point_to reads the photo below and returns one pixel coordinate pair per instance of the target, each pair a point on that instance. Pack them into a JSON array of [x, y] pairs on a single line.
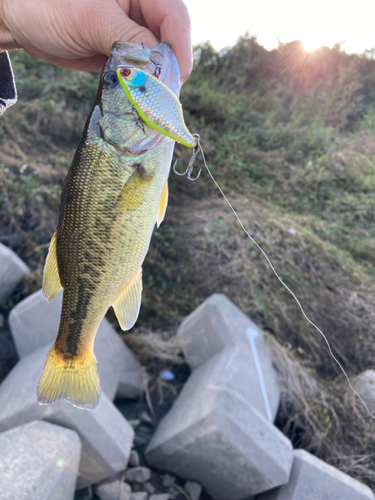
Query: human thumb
[[108, 23]]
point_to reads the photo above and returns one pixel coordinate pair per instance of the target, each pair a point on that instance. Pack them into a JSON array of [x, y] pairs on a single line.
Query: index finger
[[169, 20]]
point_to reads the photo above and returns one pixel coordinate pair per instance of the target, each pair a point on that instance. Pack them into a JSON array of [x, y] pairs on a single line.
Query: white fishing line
[[286, 286]]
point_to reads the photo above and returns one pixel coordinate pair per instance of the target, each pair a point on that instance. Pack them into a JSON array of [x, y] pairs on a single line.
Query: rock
[[193, 489], [106, 436], [140, 441], [141, 495], [216, 323], [8, 353], [146, 419], [134, 460], [39, 461], [134, 423], [138, 475], [161, 496], [213, 427], [12, 270], [114, 490], [149, 488], [364, 384], [313, 479], [169, 480], [34, 322]]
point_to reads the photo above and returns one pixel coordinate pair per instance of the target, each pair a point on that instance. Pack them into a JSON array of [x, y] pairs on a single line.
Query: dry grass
[[318, 410]]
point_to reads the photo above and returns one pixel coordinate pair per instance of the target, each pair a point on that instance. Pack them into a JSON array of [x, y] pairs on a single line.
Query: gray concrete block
[[216, 323], [234, 369], [214, 436], [313, 479], [34, 322], [39, 461], [364, 384], [106, 436], [12, 270]]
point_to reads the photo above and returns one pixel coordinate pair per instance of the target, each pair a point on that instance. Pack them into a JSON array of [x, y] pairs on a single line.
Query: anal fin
[[163, 205], [51, 279], [128, 304]]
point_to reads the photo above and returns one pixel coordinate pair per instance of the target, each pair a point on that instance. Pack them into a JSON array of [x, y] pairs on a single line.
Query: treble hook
[[189, 170]]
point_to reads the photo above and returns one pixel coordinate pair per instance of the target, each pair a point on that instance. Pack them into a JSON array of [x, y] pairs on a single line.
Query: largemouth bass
[[115, 192]]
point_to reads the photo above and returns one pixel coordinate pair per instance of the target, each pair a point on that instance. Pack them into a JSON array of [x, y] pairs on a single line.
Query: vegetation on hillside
[[290, 137]]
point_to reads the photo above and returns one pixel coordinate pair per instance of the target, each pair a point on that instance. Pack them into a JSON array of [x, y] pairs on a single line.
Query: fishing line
[[286, 286]]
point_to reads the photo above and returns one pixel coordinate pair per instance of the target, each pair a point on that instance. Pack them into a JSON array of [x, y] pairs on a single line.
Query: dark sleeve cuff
[[8, 92]]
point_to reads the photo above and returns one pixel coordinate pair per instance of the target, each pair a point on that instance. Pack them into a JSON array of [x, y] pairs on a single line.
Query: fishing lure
[[159, 107]]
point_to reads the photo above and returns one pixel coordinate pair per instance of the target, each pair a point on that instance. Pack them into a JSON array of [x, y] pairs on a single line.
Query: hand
[[78, 34]]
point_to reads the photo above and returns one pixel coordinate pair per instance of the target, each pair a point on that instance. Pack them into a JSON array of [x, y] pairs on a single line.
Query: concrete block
[[39, 461], [106, 436], [12, 270], [34, 322], [234, 369], [214, 436], [216, 323], [364, 384], [313, 479]]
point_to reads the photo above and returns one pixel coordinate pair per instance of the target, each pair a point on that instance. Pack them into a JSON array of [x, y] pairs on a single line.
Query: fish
[[115, 192]]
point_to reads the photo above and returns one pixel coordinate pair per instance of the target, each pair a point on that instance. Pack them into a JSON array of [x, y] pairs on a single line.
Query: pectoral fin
[[128, 304], [51, 278], [163, 205]]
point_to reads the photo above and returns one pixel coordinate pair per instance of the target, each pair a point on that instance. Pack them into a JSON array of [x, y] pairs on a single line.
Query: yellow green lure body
[[156, 104]]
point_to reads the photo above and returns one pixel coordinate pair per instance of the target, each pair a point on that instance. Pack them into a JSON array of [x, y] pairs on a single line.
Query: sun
[[310, 44]]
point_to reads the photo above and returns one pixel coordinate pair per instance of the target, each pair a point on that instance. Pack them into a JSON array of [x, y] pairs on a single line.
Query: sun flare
[[310, 45]]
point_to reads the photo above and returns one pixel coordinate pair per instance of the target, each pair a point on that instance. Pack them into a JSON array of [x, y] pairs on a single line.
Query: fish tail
[[76, 380]]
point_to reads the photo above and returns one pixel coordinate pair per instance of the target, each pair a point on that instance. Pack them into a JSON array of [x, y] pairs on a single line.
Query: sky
[[315, 23]]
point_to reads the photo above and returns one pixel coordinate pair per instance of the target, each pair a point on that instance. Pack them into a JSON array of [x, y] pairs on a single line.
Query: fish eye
[[111, 79], [125, 72]]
